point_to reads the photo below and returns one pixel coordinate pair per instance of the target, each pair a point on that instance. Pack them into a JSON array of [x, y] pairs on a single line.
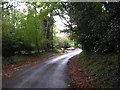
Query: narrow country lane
[[49, 74]]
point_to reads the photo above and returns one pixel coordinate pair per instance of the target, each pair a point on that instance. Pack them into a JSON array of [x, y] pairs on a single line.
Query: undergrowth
[[58, 51], [24, 57], [102, 67]]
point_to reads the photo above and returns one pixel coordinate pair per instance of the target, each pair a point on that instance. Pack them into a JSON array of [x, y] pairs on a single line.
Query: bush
[[58, 51], [26, 47], [103, 68], [62, 43], [8, 47]]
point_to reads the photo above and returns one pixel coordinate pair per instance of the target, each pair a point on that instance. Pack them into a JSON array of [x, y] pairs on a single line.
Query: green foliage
[[94, 25], [58, 51], [103, 68], [8, 48], [30, 30], [62, 43]]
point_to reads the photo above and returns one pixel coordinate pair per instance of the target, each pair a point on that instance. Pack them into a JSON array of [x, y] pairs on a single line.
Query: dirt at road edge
[[78, 78], [8, 70]]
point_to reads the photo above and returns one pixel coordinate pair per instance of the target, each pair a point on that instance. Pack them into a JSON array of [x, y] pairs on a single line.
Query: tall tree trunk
[[38, 50], [48, 35], [37, 46]]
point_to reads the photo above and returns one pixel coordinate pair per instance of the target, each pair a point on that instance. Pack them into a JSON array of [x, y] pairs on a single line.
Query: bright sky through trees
[[59, 26]]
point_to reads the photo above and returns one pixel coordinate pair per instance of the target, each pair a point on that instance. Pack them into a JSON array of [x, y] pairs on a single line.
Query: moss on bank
[[102, 67]]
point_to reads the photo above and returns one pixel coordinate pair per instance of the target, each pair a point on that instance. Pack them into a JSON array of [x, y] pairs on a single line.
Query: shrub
[[103, 68]]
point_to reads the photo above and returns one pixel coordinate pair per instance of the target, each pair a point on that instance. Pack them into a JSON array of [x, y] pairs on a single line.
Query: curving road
[[49, 74]]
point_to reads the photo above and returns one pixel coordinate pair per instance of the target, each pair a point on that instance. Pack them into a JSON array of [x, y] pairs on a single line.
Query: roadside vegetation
[[28, 31], [95, 25], [103, 68]]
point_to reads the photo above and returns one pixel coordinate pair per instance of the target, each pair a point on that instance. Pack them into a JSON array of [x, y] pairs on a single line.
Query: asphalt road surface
[[49, 74]]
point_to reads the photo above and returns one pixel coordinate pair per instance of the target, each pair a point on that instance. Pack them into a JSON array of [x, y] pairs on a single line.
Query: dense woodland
[[94, 25], [31, 30]]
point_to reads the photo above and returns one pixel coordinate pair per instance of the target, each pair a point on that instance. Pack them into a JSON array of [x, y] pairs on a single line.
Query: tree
[[29, 30], [95, 25]]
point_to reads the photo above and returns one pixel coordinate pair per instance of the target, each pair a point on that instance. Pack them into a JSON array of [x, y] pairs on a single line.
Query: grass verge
[[102, 67]]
